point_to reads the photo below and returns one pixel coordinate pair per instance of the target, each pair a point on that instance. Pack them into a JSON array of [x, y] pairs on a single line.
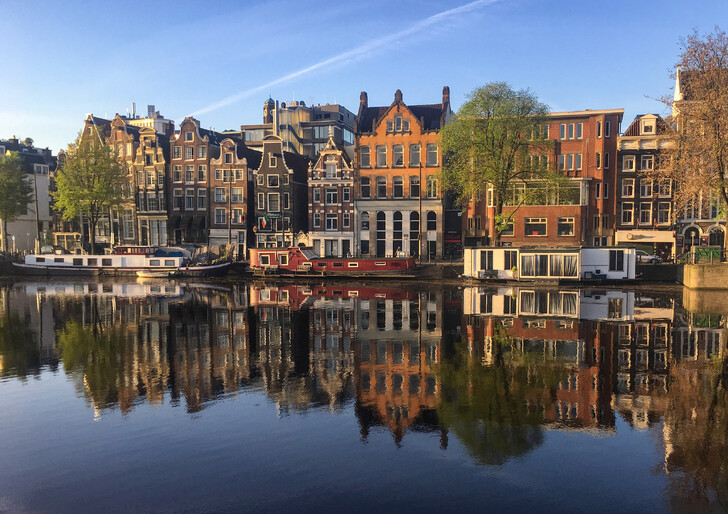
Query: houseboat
[[529, 264], [305, 261], [127, 260]]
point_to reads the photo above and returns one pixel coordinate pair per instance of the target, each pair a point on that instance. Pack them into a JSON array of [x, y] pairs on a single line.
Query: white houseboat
[[527, 264], [127, 260]]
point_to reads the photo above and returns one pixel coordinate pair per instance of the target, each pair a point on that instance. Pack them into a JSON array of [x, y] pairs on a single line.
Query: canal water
[[151, 396]]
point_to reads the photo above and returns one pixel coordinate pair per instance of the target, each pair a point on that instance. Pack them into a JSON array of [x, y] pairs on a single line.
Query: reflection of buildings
[[398, 348]]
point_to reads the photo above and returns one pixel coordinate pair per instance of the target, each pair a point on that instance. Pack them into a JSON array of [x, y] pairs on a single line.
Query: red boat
[[305, 261]]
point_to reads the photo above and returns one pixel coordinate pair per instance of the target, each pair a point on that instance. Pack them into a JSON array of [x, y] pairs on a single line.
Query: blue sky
[[62, 60]]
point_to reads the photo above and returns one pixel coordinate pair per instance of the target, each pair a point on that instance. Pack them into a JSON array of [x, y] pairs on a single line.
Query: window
[[272, 161], [507, 231], [202, 199], [562, 131], [562, 162], [332, 196], [431, 187], [177, 173], [535, 226], [565, 226], [570, 161], [570, 131], [579, 130], [628, 163], [189, 199], [414, 187], [259, 179], [627, 187], [606, 190], [510, 258], [381, 187], [316, 220], [647, 162], [398, 123], [274, 202], [577, 161], [381, 156], [365, 220], [645, 188], [616, 260], [220, 216], [261, 201], [177, 152], [364, 157], [432, 154], [414, 155], [347, 220], [665, 188], [398, 155], [486, 260], [607, 128], [189, 173], [606, 160], [645, 213], [330, 170], [286, 201], [188, 136], [201, 172], [177, 199], [332, 222], [220, 195], [398, 185], [431, 220], [273, 180], [189, 152], [599, 129], [597, 190], [627, 213], [663, 213], [237, 194], [598, 160], [202, 152], [316, 195], [365, 189], [346, 194]]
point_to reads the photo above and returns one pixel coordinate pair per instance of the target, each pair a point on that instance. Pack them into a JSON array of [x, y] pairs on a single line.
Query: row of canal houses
[[377, 193]]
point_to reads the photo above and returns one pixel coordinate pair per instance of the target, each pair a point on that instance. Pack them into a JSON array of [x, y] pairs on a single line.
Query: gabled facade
[[229, 193], [331, 216], [124, 139], [149, 168], [281, 196], [397, 159], [580, 213], [644, 206], [189, 180]]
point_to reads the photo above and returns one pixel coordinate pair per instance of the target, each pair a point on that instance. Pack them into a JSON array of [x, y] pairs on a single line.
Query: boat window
[[380, 263], [264, 260], [283, 260], [93, 262], [353, 264], [78, 262], [319, 264], [154, 262], [338, 264], [58, 259], [169, 262], [106, 262], [40, 259]]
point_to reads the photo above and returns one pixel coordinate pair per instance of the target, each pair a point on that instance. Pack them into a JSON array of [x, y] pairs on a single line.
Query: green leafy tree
[[17, 192], [498, 139], [18, 349], [91, 182]]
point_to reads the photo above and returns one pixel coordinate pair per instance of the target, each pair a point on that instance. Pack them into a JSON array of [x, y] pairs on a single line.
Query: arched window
[[365, 220], [414, 248], [397, 231], [431, 220]]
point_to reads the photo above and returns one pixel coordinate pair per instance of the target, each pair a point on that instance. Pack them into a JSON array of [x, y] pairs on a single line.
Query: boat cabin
[[548, 264], [305, 259]]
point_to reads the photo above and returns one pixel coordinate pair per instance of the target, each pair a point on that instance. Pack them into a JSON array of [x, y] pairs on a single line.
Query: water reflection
[[494, 368]]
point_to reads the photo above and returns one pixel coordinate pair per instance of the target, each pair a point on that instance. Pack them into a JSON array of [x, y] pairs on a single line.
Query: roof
[[585, 112], [634, 127]]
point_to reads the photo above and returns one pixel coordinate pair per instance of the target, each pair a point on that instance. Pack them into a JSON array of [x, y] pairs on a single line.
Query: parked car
[[643, 257]]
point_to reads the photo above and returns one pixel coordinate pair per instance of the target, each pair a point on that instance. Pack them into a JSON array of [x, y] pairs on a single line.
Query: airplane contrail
[[353, 54]]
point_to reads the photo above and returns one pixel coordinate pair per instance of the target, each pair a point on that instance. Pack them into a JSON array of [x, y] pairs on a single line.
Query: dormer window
[[648, 128], [272, 161]]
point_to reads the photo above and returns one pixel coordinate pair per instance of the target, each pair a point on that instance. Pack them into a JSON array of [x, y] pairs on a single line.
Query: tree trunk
[[4, 239], [92, 234]]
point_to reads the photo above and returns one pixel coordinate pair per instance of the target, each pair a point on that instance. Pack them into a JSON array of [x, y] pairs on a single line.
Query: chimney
[[445, 97], [363, 100]]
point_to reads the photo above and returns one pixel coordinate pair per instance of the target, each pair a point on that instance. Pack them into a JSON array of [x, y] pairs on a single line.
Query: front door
[[331, 248], [345, 248]]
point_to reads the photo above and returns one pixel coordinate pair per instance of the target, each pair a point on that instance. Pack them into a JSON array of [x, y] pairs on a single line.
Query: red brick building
[[581, 213]]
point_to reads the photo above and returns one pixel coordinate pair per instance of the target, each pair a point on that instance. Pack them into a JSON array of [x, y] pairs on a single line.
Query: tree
[[498, 139], [17, 192], [28, 141], [697, 159], [91, 182]]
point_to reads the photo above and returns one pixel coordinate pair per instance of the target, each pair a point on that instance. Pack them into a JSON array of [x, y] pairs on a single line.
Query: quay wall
[[705, 276]]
